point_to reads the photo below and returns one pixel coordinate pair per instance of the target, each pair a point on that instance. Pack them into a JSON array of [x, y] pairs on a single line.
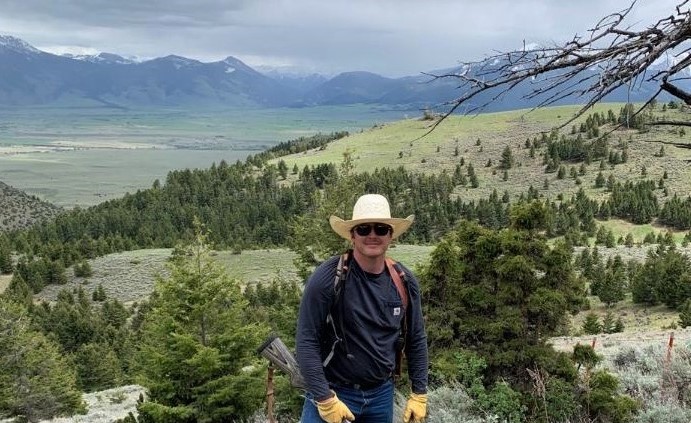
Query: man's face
[[371, 239]]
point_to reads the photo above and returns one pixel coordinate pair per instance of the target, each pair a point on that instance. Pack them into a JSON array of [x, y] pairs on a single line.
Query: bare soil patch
[[4, 282]]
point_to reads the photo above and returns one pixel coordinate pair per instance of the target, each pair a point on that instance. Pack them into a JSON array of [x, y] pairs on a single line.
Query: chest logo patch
[[396, 311]]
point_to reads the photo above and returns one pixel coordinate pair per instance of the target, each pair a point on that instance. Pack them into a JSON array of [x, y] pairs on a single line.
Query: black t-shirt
[[372, 311]]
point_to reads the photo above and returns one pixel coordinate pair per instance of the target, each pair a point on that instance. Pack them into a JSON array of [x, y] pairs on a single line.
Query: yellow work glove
[[334, 410], [415, 408]]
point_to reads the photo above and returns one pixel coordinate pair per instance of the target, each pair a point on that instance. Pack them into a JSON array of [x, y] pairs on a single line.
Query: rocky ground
[[106, 406]]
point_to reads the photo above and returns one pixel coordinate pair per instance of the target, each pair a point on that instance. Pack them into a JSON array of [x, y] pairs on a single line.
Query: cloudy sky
[[390, 37]]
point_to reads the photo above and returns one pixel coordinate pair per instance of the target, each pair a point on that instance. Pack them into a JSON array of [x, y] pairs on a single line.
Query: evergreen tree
[[483, 293], [685, 314], [98, 367], [6, 265], [99, 293], [613, 285], [56, 273], [283, 169], [197, 344], [36, 379], [507, 160], [83, 269], [311, 237], [629, 240], [591, 325], [610, 240], [608, 322]]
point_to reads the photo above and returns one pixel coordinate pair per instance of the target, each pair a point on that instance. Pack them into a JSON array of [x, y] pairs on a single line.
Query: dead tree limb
[[610, 57]]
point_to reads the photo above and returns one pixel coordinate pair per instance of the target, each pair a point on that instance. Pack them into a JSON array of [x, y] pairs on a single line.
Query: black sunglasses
[[380, 229]]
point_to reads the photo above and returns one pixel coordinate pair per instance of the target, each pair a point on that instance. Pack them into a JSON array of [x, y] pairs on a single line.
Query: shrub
[[603, 401], [592, 325], [83, 269], [451, 405]]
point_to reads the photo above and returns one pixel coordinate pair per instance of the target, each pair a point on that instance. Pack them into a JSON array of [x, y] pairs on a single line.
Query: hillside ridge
[[19, 210]]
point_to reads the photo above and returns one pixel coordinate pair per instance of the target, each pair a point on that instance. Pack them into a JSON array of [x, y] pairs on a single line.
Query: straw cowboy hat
[[371, 208]]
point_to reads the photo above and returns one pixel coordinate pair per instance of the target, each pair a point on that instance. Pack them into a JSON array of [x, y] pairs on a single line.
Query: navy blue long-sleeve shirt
[[372, 311]]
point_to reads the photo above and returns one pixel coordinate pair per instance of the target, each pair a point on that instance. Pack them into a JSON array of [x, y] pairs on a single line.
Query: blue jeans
[[371, 406]]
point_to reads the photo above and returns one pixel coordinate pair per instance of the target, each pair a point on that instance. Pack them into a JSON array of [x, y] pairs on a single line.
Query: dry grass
[[130, 276]]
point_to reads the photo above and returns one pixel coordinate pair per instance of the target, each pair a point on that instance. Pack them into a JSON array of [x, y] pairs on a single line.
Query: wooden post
[[593, 343], [270, 393], [667, 380], [670, 345]]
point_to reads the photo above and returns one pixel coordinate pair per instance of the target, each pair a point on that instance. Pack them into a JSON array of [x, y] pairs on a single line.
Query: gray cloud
[[391, 37]]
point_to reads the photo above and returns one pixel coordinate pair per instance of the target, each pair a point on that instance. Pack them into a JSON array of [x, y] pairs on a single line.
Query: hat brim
[[343, 227]]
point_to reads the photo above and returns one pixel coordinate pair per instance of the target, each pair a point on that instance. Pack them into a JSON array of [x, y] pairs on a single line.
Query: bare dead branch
[[669, 122], [621, 55]]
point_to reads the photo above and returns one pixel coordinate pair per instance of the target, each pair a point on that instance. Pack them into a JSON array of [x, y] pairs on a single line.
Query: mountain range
[[31, 77]]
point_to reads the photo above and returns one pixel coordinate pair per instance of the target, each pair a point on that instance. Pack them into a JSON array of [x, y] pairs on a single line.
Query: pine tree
[[198, 344], [608, 322], [99, 294], [36, 379], [561, 173], [83, 269], [629, 240], [507, 160], [6, 265], [591, 325], [483, 292], [98, 367], [685, 314]]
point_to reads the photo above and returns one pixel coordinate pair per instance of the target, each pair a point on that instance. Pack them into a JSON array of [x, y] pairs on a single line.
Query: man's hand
[[334, 410], [416, 408]]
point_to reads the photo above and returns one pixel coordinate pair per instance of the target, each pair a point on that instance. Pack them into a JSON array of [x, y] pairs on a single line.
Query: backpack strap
[[398, 277], [341, 273]]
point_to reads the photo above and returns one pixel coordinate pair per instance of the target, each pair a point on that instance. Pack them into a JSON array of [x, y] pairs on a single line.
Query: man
[[348, 361]]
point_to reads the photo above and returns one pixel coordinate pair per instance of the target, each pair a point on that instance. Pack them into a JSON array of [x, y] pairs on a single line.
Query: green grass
[[622, 228]]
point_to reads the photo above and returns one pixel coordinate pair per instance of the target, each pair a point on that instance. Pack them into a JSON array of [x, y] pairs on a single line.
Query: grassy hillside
[[482, 138]]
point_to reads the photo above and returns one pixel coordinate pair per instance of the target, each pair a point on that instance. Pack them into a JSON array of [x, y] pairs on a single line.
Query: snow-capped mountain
[[8, 42], [102, 58], [29, 76]]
